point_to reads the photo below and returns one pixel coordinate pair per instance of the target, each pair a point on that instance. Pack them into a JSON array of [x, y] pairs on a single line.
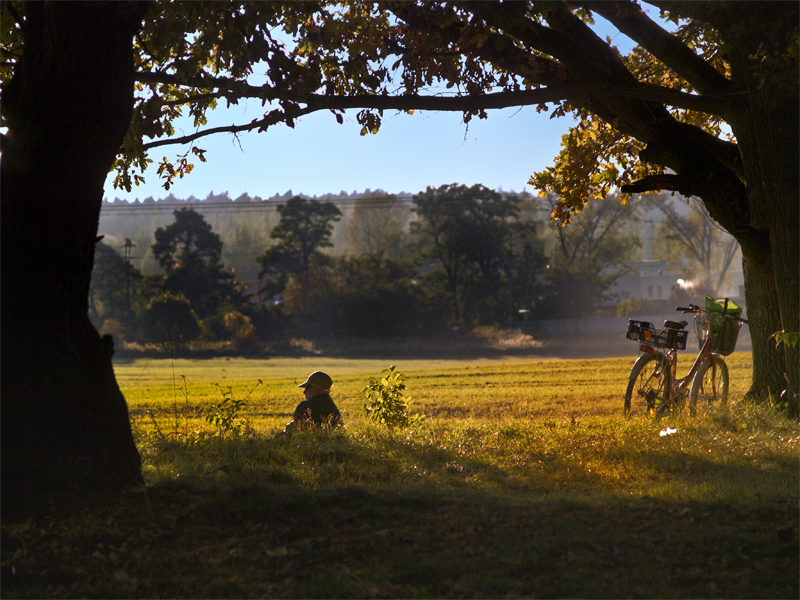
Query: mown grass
[[524, 481]]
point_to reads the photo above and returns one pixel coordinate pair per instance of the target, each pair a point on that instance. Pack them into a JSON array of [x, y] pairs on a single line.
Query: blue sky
[[409, 153]]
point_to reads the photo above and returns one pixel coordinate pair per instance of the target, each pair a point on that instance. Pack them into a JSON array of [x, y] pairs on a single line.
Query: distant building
[[648, 280]]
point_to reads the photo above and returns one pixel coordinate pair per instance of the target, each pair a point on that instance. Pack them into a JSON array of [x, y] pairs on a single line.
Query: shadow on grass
[[380, 516]]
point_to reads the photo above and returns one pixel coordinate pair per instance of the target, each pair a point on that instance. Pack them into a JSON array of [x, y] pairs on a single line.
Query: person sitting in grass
[[318, 409]]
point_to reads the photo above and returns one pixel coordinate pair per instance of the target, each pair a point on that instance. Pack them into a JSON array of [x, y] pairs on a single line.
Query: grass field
[[523, 481]]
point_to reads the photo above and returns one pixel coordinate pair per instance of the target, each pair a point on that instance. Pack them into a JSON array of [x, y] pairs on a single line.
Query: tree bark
[[766, 129], [763, 314], [64, 420]]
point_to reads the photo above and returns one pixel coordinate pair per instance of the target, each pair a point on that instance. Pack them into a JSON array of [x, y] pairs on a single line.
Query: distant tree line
[[452, 256]]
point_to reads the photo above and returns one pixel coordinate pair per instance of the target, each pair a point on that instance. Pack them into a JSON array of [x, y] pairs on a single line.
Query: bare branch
[[272, 118]]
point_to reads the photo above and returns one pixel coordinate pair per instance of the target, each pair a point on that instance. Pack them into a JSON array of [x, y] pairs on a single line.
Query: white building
[[648, 280]]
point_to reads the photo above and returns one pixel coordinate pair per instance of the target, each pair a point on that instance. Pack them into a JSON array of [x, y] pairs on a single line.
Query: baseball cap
[[318, 379]]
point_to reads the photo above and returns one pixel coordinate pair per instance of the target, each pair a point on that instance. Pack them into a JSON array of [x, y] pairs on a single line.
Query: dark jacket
[[319, 410]]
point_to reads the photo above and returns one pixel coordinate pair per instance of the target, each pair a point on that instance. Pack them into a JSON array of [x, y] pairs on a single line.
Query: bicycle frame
[[681, 385]]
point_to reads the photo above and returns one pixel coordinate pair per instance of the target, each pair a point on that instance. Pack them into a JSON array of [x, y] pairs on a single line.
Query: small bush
[[384, 402], [225, 414]]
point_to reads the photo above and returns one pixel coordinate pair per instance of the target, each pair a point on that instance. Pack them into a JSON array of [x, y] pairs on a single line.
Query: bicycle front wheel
[[710, 386], [649, 384]]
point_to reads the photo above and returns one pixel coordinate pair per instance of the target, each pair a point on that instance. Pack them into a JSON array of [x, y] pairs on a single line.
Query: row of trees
[[454, 256]]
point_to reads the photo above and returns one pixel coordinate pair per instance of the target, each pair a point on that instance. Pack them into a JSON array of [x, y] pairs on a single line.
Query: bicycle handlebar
[[693, 308]]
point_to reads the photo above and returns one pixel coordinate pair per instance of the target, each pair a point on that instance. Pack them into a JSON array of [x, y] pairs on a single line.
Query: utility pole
[[128, 246]]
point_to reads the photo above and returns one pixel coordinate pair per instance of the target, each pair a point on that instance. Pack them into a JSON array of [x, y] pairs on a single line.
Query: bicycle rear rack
[[646, 333]]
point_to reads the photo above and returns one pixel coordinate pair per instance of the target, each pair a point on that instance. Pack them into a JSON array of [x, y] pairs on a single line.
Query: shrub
[[384, 402], [170, 313], [225, 414]]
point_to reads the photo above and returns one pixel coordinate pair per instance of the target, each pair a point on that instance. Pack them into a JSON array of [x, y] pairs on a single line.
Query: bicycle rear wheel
[[649, 384], [710, 386]]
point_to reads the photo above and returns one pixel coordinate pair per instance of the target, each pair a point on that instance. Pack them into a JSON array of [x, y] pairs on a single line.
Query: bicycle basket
[[715, 322], [644, 331]]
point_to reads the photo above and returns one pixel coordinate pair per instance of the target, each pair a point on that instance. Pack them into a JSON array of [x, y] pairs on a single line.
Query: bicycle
[[654, 387]]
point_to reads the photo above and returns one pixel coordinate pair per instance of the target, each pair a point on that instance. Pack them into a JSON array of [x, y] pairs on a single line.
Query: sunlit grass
[[439, 389], [542, 428], [524, 480]]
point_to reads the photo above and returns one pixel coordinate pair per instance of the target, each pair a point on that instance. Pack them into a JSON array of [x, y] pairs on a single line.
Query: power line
[[367, 201]]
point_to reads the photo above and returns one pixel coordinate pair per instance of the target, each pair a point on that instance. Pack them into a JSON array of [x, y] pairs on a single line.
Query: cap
[[318, 379]]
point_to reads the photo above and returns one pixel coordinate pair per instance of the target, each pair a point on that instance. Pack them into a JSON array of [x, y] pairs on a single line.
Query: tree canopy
[[189, 252], [304, 229], [467, 232], [187, 243], [587, 257]]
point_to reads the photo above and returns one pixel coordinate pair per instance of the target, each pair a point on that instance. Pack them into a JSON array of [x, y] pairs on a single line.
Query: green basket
[[716, 322]]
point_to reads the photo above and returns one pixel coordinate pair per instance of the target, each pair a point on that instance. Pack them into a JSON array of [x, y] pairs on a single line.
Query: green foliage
[[304, 229], [169, 316], [225, 415], [585, 257], [187, 243], [789, 338], [384, 402], [367, 296], [189, 251], [465, 239], [588, 167], [789, 399], [112, 279]]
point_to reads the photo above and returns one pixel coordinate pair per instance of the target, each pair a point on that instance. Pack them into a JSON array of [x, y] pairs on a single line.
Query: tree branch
[[654, 183], [633, 22], [712, 105], [497, 100], [445, 103], [317, 102], [206, 82], [272, 118], [196, 98]]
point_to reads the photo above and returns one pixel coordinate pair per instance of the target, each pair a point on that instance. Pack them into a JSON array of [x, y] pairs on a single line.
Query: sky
[[408, 154]]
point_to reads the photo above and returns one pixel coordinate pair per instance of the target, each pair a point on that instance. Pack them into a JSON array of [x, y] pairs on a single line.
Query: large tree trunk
[[767, 134], [64, 420], [763, 314]]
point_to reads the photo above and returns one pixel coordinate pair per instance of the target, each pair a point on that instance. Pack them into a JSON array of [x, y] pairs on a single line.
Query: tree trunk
[[767, 136], [763, 314], [65, 422]]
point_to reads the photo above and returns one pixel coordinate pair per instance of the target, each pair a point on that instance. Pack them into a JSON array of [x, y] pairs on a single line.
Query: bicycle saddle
[[675, 324]]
